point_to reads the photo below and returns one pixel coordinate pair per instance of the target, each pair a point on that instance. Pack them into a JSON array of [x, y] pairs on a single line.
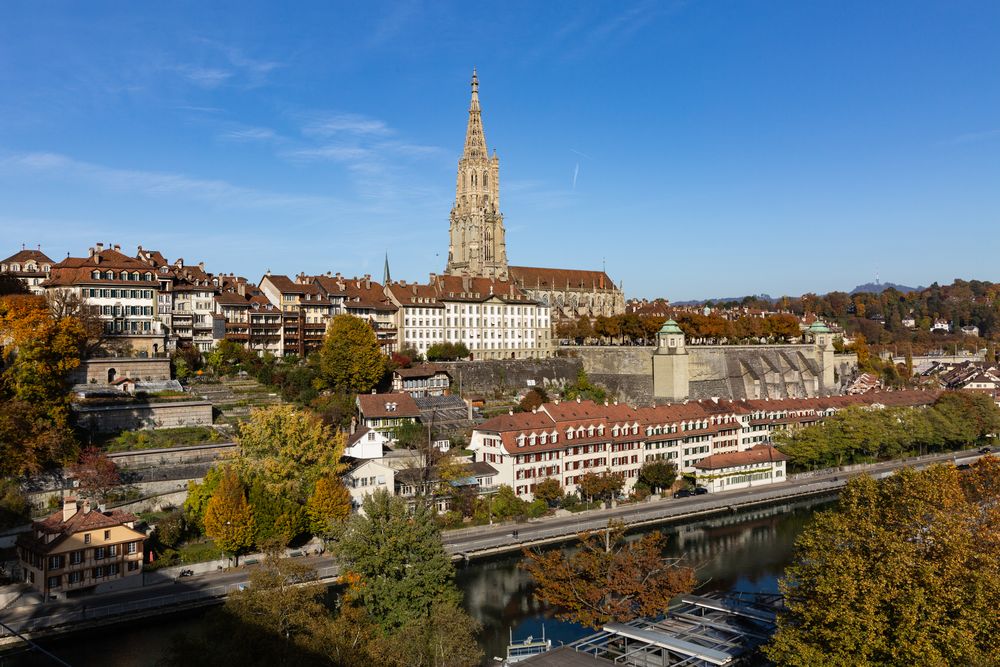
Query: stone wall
[[131, 416], [144, 458], [96, 371], [496, 378]]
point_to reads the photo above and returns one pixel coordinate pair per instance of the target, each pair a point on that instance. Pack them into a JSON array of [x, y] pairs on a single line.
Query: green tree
[[506, 504], [608, 579], [445, 637], [447, 352], [277, 519], [585, 390], [329, 504], [350, 359], [228, 517], [288, 449], [549, 491], [394, 562], [904, 571], [658, 475]]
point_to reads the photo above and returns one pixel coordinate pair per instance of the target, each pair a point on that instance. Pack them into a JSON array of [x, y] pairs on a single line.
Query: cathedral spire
[[475, 139]]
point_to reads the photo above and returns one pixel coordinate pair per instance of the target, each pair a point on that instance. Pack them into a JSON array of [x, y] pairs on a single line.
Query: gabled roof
[[83, 520], [381, 405], [421, 371]]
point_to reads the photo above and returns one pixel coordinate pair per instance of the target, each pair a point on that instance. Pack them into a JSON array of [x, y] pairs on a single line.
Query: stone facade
[[477, 240], [107, 370]]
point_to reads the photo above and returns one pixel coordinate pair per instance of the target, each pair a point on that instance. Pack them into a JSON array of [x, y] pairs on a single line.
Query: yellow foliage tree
[[330, 503], [228, 517]]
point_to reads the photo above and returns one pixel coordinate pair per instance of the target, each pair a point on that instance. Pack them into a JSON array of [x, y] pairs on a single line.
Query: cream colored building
[[79, 548]]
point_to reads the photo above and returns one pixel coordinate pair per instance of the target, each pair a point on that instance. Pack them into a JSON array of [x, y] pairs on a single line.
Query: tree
[[904, 571], [228, 517], [447, 352], [288, 449], [198, 496], [96, 474], [395, 562], [410, 435], [603, 486], [533, 398], [277, 519], [350, 359], [549, 491], [658, 475], [584, 389], [329, 504], [506, 504], [607, 579], [445, 637], [280, 619]]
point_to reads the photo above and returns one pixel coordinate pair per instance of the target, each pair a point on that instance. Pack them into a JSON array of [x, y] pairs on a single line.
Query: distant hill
[[878, 288], [728, 299]]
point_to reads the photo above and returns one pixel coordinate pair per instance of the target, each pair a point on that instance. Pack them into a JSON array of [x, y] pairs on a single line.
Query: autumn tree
[[608, 579], [277, 518], [549, 491], [329, 504], [228, 517], [199, 494], [658, 475], [350, 359], [601, 486], [904, 571], [533, 398], [289, 449], [96, 475]]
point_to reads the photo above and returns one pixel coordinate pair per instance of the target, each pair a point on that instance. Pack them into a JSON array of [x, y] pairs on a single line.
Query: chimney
[[86, 506], [69, 509], [117, 248], [201, 265], [354, 425], [99, 246]]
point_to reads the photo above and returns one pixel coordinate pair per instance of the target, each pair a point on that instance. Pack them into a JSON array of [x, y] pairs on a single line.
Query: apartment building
[[726, 443], [31, 267], [305, 312], [77, 548], [365, 299], [122, 291], [491, 316]]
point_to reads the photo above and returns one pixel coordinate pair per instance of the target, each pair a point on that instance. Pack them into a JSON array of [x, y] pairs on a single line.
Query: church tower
[[477, 246]]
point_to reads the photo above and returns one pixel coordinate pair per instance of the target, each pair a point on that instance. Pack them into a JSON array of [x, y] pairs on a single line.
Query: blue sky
[[698, 148]]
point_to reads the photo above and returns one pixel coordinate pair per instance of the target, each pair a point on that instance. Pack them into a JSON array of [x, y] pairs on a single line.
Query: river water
[[746, 551]]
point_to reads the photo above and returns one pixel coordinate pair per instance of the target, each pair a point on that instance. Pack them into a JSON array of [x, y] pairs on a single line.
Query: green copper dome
[[818, 327], [670, 327]]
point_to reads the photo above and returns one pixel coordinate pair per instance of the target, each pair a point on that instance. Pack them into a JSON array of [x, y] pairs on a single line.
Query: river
[[746, 551]]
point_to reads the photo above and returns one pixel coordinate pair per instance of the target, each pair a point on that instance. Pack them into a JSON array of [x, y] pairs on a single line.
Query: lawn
[[164, 437]]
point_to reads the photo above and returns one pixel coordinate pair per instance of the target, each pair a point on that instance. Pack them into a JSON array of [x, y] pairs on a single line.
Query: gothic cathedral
[[477, 246]]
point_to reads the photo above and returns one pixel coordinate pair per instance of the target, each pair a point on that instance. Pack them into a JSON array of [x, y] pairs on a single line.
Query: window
[[55, 562], [76, 558], [107, 535], [86, 538], [75, 577], [98, 572], [132, 566], [98, 553], [54, 582], [113, 550]]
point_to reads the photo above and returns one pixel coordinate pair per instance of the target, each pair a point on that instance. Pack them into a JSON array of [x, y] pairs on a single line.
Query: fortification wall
[[506, 376]]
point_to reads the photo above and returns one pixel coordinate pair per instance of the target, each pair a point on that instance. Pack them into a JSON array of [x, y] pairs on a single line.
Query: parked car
[[700, 490], [683, 493], [187, 573], [986, 450]]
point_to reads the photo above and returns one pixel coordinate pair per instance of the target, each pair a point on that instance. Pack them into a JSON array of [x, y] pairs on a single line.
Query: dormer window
[[635, 429], [96, 275], [569, 434], [520, 440], [148, 276], [590, 432], [531, 440], [108, 275], [543, 439]]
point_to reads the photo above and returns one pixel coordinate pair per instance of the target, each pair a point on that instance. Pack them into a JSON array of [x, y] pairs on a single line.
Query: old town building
[[721, 444], [77, 547], [31, 267]]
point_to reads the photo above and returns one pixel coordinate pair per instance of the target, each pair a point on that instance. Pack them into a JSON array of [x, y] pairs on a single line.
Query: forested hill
[[878, 288]]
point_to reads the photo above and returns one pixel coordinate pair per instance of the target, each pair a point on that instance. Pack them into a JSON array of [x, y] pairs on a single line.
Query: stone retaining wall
[[497, 378], [132, 416]]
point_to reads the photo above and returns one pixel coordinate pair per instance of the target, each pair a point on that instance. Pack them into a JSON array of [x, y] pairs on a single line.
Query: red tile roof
[[373, 406], [534, 277], [753, 456], [23, 256]]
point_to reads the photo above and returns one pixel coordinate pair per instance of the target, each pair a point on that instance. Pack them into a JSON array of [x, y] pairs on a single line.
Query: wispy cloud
[[248, 134], [345, 124], [223, 64], [972, 137], [205, 77], [158, 184]]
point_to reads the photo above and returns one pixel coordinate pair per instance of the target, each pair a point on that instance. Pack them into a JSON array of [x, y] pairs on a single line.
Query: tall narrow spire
[[386, 279], [475, 139]]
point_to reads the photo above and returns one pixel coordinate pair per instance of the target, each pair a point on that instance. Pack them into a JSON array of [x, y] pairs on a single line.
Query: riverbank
[[466, 544]]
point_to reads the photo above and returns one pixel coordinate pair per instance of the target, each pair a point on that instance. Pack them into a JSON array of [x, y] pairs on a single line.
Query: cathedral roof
[[534, 277]]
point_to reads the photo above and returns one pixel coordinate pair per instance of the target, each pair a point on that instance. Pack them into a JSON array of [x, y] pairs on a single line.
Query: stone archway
[[112, 374]]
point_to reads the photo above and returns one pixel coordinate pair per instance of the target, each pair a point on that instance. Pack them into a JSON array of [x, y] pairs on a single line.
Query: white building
[[31, 267]]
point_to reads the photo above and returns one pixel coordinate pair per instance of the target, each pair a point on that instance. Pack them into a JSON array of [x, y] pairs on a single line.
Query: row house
[[365, 299], [121, 291], [305, 312], [31, 267], [252, 321], [78, 548], [386, 412], [708, 439], [422, 380], [492, 317]]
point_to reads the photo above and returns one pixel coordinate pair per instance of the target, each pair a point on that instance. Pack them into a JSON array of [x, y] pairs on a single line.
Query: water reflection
[[746, 551]]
